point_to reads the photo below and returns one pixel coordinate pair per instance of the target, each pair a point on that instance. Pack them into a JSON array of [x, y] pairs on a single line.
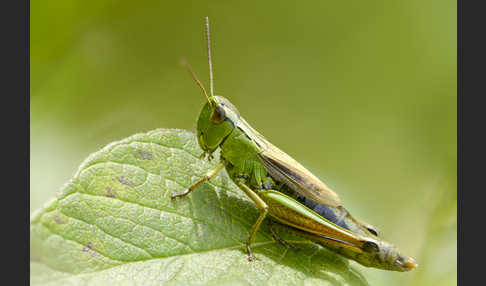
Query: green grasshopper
[[282, 188]]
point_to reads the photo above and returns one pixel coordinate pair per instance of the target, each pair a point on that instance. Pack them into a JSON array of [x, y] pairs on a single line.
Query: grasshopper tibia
[[262, 206], [279, 239]]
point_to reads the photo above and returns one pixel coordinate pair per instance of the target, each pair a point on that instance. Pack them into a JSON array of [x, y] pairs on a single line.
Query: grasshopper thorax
[[216, 121]]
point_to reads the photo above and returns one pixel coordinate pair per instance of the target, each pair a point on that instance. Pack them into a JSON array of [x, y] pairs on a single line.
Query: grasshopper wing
[[285, 169]]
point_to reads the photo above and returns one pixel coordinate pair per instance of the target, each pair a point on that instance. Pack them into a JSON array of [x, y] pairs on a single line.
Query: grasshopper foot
[[250, 254], [173, 196]]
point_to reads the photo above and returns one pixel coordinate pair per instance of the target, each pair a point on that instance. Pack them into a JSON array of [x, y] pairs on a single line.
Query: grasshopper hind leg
[[262, 206]]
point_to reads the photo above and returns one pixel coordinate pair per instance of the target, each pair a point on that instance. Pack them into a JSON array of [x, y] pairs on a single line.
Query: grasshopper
[[282, 188]]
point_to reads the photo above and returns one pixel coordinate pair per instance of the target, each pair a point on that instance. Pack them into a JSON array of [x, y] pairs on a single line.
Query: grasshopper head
[[386, 256], [215, 123]]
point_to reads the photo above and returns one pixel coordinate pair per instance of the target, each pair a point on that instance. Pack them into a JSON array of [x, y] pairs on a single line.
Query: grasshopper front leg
[[262, 206], [209, 174]]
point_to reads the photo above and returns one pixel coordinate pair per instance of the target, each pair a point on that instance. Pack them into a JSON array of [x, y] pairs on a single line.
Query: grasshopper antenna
[[208, 40], [194, 77], [183, 61]]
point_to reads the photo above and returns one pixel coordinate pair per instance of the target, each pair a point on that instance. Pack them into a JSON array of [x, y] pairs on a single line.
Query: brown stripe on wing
[[285, 169]]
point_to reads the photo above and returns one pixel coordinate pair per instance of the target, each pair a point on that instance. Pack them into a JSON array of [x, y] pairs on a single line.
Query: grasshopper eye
[[218, 115], [372, 230]]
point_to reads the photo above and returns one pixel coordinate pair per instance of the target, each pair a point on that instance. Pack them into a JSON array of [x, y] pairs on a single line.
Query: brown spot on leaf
[[145, 155], [124, 181], [58, 219], [109, 192], [88, 247]]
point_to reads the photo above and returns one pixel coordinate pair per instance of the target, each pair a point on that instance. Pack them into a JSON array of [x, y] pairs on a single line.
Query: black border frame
[[15, 118], [471, 76]]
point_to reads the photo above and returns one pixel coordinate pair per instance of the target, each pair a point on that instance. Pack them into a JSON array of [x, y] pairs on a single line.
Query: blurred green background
[[363, 93]]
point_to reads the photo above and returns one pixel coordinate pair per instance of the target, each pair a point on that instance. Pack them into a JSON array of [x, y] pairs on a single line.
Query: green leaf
[[114, 223]]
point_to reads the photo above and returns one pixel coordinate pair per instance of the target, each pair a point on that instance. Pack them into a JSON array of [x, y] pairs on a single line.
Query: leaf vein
[[166, 211]]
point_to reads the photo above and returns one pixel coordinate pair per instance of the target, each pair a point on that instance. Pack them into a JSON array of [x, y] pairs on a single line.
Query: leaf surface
[[114, 223]]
